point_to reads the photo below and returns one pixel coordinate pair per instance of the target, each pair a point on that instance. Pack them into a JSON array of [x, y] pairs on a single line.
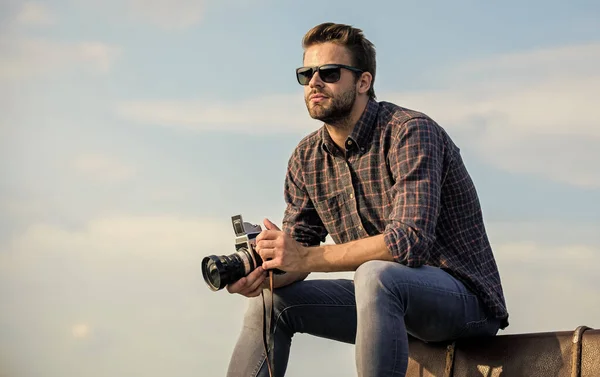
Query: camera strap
[[268, 330]]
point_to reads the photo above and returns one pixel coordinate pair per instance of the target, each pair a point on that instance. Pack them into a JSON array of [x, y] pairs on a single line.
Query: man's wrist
[[306, 252], [313, 258]]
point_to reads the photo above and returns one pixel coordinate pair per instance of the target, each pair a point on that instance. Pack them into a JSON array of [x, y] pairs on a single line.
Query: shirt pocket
[[332, 211]]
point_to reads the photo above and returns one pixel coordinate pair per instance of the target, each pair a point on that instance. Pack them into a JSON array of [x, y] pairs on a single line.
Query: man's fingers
[[255, 292], [267, 265], [266, 244], [254, 275], [269, 225], [237, 286], [266, 254], [257, 283], [250, 285], [267, 235], [247, 284]]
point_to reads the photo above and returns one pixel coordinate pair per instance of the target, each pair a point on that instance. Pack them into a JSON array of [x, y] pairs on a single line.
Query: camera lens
[[212, 269], [212, 275], [218, 272]]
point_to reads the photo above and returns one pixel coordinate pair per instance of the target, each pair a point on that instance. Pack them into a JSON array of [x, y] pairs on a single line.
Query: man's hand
[[250, 285], [279, 250]]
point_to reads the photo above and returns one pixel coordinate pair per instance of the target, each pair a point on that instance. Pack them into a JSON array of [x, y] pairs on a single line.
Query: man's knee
[[254, 312], [378, 284], [377, 274], [378, 277]]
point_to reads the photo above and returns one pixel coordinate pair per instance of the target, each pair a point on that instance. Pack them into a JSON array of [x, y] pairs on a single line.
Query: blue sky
[[131, 131]]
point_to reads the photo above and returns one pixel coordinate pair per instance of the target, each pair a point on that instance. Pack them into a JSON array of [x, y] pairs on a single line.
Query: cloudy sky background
[[131, 131]]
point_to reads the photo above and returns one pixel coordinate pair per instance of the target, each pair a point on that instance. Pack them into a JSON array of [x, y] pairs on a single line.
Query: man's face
[[329, 102]]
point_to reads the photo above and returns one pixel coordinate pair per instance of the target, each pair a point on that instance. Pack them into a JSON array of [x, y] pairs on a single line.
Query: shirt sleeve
[[300, 220], [416, 162]]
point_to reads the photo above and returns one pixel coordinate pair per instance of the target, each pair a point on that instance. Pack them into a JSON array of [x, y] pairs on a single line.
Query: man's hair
[[361, 49]]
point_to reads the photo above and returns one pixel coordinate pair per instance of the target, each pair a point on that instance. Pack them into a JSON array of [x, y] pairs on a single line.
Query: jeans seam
[[260, 364], [395, 349]]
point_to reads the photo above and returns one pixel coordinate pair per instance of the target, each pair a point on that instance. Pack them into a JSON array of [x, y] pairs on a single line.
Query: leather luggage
[[550, 354]]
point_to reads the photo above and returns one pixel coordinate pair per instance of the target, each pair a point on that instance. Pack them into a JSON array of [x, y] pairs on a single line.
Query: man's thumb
[[269, 225]]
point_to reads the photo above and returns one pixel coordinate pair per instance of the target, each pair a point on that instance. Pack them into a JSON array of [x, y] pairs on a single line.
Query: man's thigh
[[437, 306], [321, 307]]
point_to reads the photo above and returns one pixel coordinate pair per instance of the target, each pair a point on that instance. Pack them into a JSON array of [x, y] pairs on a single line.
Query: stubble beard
[[337, 112]]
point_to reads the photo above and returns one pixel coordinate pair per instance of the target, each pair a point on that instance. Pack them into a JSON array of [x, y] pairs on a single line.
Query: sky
[[131, 131]]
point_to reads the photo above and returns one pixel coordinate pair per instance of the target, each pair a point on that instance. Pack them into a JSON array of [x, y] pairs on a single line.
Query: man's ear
[[364, 82]]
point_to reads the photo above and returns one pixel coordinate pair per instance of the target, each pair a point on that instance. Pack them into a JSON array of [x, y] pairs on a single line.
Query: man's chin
[[316, 112]]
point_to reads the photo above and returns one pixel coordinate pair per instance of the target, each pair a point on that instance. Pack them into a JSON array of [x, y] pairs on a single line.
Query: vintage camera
[[218, 272]]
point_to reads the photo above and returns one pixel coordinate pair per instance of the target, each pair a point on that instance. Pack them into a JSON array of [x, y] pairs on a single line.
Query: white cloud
[[160, 236], [547, 232], [22, 208], [24, 57], [124, 287], [100, 55], [103, 168], [136, 283], [281, 114], [120, 289], [548, 288], [80, 330], [35, 14], [169, 14], [536, 64], [553, 106], [531, 112]]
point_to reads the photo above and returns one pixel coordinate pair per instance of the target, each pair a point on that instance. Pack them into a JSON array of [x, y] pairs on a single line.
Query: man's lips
[[317, 97]]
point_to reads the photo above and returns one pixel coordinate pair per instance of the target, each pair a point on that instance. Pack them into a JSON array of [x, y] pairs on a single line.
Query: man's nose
[[315, 81]]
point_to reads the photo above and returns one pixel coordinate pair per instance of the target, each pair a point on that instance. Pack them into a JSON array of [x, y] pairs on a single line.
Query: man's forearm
[[347, 256]]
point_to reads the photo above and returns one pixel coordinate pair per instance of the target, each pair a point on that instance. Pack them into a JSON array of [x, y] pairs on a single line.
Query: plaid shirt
[[402, 177]]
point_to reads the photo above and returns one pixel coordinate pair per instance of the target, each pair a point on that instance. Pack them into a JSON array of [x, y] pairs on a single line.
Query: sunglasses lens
[[304, 75], [330, 75]]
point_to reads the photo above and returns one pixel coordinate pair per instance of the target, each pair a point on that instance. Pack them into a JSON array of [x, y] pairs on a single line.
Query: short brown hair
[[361, 49]]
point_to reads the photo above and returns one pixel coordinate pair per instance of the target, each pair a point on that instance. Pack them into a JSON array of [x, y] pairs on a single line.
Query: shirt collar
[[360, 137]]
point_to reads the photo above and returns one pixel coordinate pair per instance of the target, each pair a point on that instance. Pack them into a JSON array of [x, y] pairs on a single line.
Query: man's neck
[[340, 131]]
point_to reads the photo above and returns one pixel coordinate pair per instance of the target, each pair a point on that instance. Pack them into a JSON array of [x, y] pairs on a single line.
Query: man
[[390, 188]]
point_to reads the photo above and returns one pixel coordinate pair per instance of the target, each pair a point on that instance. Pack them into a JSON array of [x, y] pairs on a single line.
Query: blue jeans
[[385, 302]]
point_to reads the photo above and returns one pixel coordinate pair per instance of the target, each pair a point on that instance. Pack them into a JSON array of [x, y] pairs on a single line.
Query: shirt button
[[349, 142], [360, 228], [351, 196]]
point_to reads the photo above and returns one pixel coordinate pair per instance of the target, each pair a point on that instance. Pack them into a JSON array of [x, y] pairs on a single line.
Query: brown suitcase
[[552, 354]]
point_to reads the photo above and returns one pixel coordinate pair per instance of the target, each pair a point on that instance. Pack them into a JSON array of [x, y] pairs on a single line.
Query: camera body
[[245, 240], [218, 272]]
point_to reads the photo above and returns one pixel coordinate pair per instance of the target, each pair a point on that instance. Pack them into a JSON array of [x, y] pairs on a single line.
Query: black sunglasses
[[329, 73]]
